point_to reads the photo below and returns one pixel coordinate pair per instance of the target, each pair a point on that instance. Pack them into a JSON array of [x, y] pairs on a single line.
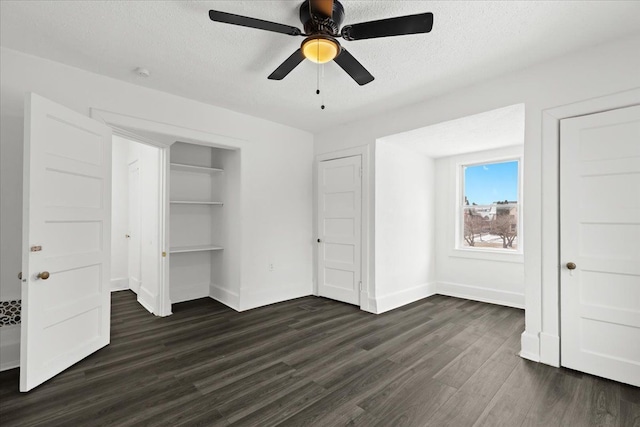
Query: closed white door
[[600, 244], [339, 228], [135, 244], [66, 240]]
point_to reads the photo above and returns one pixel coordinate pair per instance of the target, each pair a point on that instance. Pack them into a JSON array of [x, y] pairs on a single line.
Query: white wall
[[598, 71], [276, 170], [228, 279], [404, 223], [10, 206], [10, 231], [119, 214], [495, 278]]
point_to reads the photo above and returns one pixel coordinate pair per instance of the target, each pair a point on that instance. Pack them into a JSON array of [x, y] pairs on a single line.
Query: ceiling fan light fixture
[[320, 49]]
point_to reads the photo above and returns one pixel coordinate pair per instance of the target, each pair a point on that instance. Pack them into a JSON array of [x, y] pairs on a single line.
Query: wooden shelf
[[192, 202], [191, 168], [197, 248]]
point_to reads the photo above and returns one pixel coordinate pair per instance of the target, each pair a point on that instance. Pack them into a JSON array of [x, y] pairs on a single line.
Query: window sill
[[488, 255]]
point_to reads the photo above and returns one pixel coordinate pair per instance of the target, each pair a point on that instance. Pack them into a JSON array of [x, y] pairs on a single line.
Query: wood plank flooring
[[438, 362]]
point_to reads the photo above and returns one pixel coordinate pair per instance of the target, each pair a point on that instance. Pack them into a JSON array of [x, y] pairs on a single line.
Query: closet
[[203, 193], [192, 250]]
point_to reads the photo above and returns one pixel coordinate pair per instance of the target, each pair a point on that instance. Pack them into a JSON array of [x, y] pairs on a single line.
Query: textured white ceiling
[[485, 131], [226, 65]]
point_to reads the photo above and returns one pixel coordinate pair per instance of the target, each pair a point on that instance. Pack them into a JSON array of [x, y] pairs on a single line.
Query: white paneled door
[[600, 244], [66, 240], [135, 225], [339, 228]]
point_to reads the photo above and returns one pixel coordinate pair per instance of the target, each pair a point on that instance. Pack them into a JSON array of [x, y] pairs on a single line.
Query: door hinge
[[360, 172], [164, 254], [360, 284]]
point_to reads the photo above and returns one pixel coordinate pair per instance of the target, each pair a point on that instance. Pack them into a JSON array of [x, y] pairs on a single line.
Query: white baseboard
[[530, 346], [225, 296], [550, 349], [183, 294], [9, 347], [147, 299], [254, 299], [119, 284], [134, 285], [493, 296], [398, 299]]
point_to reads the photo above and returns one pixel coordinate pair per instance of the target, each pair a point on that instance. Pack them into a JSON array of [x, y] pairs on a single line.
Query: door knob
[[20, 275], [319, 240], [571, 265], [44, 275]]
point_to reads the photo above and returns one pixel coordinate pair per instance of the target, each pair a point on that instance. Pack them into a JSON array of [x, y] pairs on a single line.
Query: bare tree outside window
[[505, 225], [473, 227]]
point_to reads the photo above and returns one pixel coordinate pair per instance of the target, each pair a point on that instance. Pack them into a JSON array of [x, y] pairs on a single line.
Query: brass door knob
[[571, 265], [44, 275]]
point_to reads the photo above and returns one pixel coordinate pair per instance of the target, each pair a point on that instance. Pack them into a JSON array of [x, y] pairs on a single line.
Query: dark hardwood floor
[[438, 362]]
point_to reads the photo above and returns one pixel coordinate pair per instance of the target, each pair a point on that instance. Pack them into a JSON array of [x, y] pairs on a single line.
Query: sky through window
[[491, 182]]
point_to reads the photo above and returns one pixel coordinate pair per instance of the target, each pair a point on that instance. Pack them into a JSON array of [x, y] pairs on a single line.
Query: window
[[490, 218]]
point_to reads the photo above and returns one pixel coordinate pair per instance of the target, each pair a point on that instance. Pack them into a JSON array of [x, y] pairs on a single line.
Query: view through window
[[490, 206]]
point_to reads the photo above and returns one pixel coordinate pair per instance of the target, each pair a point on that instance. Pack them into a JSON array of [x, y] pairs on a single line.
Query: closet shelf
[[197, 248], [191, 168], [192, 202]]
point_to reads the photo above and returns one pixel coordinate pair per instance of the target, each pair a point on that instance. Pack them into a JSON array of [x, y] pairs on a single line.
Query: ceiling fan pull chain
[[318, 75], [319, 71], [322, 82]]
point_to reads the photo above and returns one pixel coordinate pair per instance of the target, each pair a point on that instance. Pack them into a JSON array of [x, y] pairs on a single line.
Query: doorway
[[135, 219], [541, 340], [339, 229], [599, 255], [68, 217]]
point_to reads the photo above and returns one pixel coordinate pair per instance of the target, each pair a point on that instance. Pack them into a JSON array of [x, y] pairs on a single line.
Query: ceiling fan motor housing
[[319, 23]]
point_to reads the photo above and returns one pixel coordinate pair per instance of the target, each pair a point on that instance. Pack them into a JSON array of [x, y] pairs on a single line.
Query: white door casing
[[600, 233], [340, 229], [135, 226], [67, 213]]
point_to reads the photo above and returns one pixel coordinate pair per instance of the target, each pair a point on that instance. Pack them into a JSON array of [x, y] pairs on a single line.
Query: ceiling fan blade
[[322, 8], [399, 26], [351, 65], [287, 66], [244, 21]]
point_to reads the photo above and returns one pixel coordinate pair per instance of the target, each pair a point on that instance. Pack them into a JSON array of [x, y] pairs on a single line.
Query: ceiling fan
[[321, 20]]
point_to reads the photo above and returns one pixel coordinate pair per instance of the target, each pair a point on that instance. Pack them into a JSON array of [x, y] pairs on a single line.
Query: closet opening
[[175, 220], [204, 218]]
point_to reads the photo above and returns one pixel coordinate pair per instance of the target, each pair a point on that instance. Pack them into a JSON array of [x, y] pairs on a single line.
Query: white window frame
[[493, 254]]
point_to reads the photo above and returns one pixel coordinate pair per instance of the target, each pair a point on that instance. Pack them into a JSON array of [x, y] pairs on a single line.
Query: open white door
[[339, 228], [600, 244], [65, 240], [135, 242]]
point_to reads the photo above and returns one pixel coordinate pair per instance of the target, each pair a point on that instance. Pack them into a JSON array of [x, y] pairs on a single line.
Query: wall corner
[[530, 346]]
